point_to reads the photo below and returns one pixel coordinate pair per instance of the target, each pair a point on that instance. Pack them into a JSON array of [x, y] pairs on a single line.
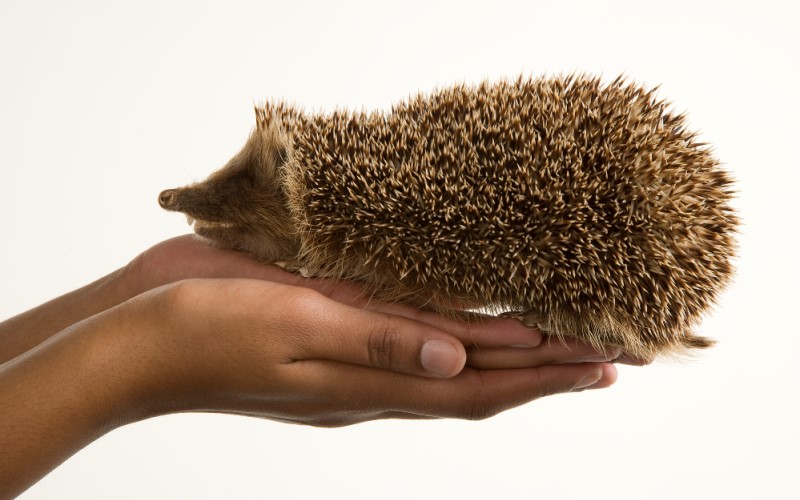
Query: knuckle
[[304, 315], [175, 304], [304, 307], [304, 301], [383, 344], [176, 295]]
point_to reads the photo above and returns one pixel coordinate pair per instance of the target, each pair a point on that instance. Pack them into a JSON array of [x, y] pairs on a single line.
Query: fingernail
[[590, 379], [439, 357]]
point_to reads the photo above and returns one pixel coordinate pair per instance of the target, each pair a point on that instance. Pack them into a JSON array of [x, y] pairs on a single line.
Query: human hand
[[293, 354], [489, 340], [190, 256], [254, 347]]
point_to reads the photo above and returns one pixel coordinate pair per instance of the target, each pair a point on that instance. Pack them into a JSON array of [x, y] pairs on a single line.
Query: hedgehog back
[[589, 207]]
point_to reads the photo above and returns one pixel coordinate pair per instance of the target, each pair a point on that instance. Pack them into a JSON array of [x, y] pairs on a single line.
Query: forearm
[[170, 261], [65, 393], [29, 329]]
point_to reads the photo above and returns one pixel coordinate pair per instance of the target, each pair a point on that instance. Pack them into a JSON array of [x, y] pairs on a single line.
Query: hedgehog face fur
[[587, 209], [242, 205]]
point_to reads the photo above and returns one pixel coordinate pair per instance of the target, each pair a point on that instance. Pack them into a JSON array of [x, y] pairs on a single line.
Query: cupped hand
[[252, 339], [293, 354], [491, 342]]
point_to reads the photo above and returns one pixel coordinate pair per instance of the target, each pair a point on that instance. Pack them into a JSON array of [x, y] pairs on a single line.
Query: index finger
[[334, 331], [472, 329]]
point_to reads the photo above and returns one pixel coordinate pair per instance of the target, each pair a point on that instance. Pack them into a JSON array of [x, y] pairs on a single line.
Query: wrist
[[146, 354], [63, 394], [168, 361], [115, 357], [31, 328]]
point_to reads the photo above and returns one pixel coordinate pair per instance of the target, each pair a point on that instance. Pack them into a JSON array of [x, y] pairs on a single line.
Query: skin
[[188, 327]]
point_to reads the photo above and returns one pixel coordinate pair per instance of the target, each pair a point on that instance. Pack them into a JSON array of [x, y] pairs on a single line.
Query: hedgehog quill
[[585, 208]]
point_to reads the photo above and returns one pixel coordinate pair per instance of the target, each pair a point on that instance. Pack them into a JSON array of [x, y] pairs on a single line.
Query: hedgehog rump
[[586, 209]]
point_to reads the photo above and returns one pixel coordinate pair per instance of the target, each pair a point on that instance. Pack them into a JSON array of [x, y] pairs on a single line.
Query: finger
[[608, 379], [472, 329], [499, 390], [473, 394], [552, 351], [338, 332]]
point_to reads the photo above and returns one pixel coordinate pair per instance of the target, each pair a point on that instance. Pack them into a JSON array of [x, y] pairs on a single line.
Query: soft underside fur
[[585, 208]]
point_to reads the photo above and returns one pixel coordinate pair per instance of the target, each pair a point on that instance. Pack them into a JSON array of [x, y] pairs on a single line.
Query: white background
[[103, 105]]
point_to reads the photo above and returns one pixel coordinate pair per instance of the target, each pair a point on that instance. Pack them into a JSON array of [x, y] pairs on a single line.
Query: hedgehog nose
[[167, 198]]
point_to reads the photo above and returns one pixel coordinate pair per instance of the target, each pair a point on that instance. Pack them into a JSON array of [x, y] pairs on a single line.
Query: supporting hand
[[255, 340]]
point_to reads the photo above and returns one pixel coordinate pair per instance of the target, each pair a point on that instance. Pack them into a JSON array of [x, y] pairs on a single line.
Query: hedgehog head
[[243, 205]]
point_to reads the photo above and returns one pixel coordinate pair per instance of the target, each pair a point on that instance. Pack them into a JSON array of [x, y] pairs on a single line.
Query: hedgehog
[[587, 209]]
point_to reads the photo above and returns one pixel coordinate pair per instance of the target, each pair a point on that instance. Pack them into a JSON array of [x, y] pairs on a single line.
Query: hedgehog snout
[[168, 198]]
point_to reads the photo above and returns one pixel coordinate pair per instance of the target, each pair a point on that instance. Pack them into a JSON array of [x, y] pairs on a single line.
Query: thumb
[[442, 358], [384, 341]]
